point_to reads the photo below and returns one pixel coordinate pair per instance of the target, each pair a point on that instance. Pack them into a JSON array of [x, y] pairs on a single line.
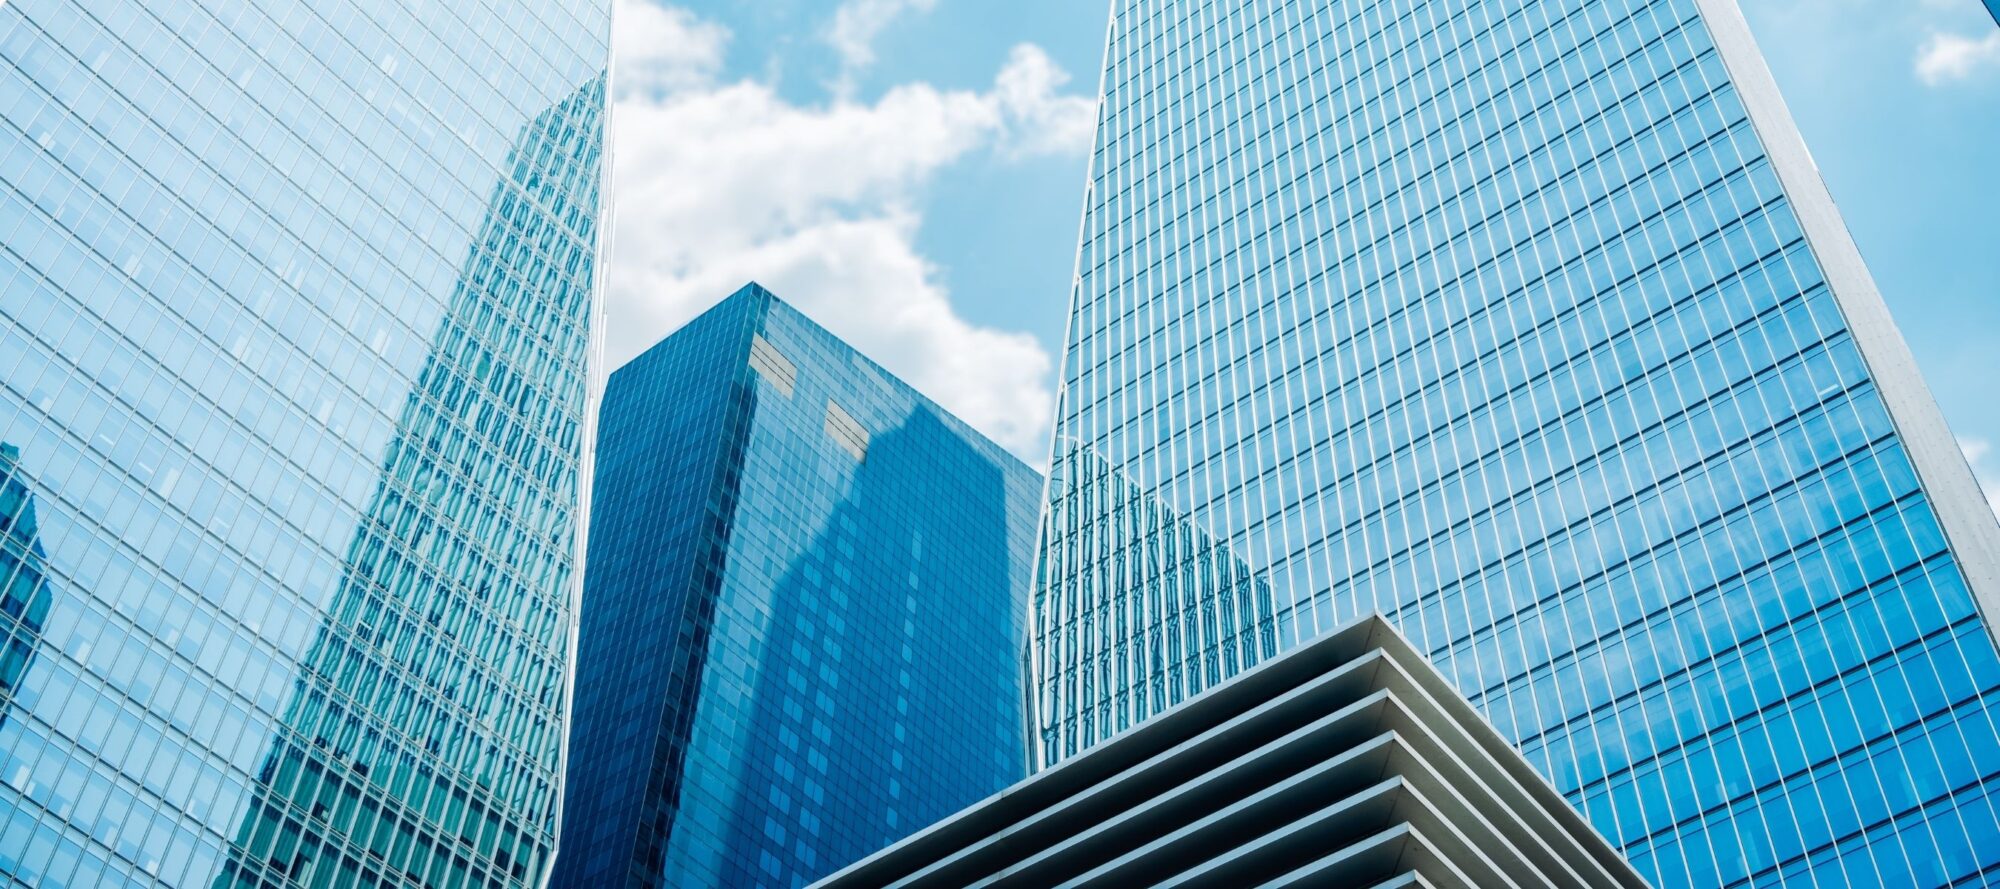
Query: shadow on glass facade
[[1528, 325], [1137, 609], [295, 305], [804, 608]]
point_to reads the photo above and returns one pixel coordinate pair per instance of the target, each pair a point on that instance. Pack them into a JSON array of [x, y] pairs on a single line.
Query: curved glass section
[[1136, 608], [1496, 319], [297, 305]]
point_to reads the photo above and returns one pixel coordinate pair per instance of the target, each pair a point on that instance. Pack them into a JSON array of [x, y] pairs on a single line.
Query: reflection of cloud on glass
[[422, 740], [24, 587]]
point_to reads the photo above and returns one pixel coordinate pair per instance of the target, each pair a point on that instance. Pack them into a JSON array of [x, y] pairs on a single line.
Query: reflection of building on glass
[[804, 608], [24, 586], [422, 741], [1136, 608]]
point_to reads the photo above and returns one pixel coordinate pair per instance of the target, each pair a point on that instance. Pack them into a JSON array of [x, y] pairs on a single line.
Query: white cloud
[[1049, 123], [661, 48], [1977, 450], [1947, 57], [719, 183], [857, 23]]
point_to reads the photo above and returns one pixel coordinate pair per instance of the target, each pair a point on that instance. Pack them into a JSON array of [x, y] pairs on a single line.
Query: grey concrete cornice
[[1347, 761]]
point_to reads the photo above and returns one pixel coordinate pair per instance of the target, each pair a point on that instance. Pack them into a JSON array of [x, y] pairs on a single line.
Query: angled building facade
[[297, 304], [803, 614], [1530, 326], [1347, 761]]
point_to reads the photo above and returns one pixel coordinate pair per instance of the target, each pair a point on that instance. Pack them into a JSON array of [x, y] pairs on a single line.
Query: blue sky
[[910, 173]]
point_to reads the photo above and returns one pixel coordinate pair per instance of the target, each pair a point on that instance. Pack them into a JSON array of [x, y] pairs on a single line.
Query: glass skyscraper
[[804, 612], [297, 304], [1530, 325]]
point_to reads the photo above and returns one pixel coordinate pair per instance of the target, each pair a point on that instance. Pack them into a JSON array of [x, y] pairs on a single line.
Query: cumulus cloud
[[857, 23], [660, 49], [1027, 90], [1947, 57], [720, 182], [1979, 452]]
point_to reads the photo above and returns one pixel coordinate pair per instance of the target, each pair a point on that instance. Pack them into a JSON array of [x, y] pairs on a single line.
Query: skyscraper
[[299, 303], [1530, 325], [803, 613]]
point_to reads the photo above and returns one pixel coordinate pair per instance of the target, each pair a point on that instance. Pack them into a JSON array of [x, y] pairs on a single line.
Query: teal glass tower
[[1530, 325], [803, 612], [1138, 608], [297, 305]]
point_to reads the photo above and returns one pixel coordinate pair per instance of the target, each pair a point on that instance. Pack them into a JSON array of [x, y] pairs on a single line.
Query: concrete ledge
[[1347, 761]]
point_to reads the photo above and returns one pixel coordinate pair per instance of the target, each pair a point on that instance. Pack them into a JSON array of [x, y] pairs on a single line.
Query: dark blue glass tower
[[1530, 325], [803, 612]]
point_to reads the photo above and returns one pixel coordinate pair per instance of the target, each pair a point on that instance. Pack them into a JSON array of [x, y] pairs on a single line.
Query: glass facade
[[1136, 608], [298, 306], [1528, 325], [805, 610]]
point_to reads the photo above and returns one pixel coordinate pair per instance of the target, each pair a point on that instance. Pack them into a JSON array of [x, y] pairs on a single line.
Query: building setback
[[1530, 326], [803, 612], [1347, 761], [297, 305]]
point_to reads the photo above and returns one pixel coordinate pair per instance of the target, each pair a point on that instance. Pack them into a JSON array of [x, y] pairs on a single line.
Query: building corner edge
[[1967, 520]]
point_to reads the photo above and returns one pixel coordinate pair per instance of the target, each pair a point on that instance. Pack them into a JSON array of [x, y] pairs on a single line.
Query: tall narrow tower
[[297, 312], [1530, 325]]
